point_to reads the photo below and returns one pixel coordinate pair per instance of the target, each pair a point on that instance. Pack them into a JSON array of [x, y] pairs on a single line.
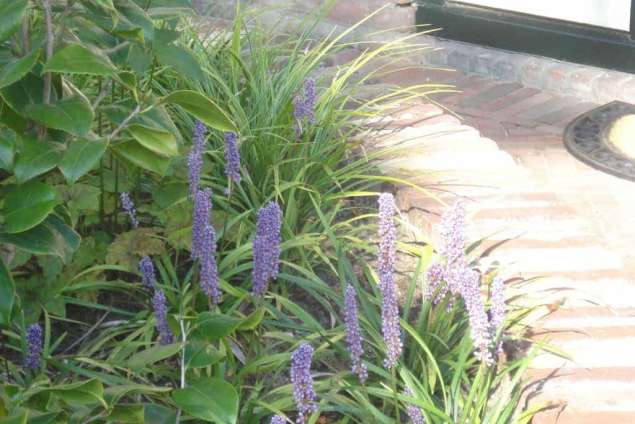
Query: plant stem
[[26, 44], [46, 96], [184, 341], [101, 168], [124, 123], [394, 393]]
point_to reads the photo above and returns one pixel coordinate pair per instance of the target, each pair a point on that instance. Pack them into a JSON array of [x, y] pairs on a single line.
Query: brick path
[[569, 224]]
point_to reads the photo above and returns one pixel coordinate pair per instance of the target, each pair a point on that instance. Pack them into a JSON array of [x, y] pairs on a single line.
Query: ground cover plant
[[183, 241]]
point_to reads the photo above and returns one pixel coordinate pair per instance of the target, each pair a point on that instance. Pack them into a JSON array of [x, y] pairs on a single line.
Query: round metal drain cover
[[587, 138]]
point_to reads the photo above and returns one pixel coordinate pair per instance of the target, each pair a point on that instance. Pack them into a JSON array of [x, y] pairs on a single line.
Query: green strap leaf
[[77, 59], [18, 68], [36, 158], [7, 294], [73, 115], [81, 156], [202, 107], [209, 399], [11, 12], [154, 354], [27, 205]]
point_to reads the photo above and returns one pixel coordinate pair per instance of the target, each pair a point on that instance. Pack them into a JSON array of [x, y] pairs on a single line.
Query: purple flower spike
[[469, 281], [391, 328], [309, 99], [353, 334], [161, 315], [303, 382], [414, 412], [454, 275], [304, 106], [200, 220], [232, 157], [195, 157], [266, 247], [128, 206], [498, 309], [209, 269], [148, 277], [34, 336], [453, 235], [277, 419]]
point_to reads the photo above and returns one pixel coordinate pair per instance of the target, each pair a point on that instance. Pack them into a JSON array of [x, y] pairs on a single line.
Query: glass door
[[613, 14]]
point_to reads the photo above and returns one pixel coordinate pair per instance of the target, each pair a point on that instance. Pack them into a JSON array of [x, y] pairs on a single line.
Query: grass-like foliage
[[230, 265]]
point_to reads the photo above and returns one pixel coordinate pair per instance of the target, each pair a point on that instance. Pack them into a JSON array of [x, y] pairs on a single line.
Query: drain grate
[[586, 138]]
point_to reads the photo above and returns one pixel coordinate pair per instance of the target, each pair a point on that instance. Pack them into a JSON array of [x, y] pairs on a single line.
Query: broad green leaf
[[170, 194], [199, 354], [73, 115], [19, 418], [80, 157], [106, 5], [154, 354], [212, 326], [81, 393], [158, 414], [181, 60], [7, 148], [11, 12], [209, 399], [35, 158], [27, 205], [77, 59], [253, 320], [128, 79], [139, 59], [51, 237], [7, 294], [50, 418], [127, 414], [11, 119], [24, 92], [159, 141], [142, 157], [157, 118], [202, 107], [135, 15], [165, 36], [18, 68]]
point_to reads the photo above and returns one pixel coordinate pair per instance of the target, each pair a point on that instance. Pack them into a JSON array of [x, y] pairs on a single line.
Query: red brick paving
[[572, 224]]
